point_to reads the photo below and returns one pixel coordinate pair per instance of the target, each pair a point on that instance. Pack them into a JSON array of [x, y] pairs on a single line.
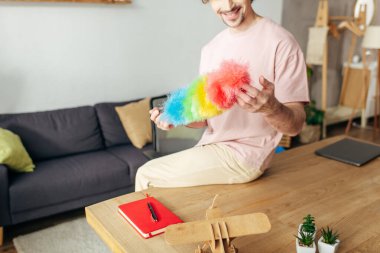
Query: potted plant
[[329, 242], [308, 226], [311, 130], [310, 74], [305, 242]]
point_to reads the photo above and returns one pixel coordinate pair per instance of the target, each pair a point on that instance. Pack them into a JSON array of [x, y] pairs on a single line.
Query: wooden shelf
[[339, 114], [74, 1]]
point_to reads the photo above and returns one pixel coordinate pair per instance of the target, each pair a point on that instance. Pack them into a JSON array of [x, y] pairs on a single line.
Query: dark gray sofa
[[82, 156]]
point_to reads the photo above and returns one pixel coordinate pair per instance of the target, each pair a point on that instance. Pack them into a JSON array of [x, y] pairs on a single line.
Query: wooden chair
[[286, 141]]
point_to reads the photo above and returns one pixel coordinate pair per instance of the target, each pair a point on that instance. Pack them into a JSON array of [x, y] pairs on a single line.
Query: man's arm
[[200, 124], [286, 118]]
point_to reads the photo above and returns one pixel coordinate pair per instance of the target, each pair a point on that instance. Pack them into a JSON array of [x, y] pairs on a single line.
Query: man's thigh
[[210, 164]]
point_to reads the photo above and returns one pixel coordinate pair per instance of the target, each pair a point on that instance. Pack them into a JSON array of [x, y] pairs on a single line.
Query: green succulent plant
[[314, 116], [308, 224], [329, 236], [305, 239], [309, 72]]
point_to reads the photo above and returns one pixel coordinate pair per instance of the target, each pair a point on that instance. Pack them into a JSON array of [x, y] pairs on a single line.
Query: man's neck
[[249, 21]]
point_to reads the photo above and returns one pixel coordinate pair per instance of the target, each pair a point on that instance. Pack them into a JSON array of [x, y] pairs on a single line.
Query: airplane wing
[[205, 230]]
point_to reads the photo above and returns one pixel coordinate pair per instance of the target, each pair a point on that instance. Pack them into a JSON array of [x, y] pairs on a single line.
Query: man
[[238, 145]]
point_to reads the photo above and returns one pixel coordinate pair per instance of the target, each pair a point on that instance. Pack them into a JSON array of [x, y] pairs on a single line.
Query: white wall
[[269, 8], [56, 55]]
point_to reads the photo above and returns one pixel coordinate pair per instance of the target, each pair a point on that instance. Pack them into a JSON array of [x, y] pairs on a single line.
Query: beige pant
[[204, 165]]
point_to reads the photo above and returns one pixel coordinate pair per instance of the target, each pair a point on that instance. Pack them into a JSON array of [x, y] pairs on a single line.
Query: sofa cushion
[[132, 156], [66, 179], [56, 133], [136, 122], [13, 153], [112, 129]]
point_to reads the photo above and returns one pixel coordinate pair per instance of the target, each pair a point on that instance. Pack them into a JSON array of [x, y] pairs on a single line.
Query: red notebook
[[137, 213]]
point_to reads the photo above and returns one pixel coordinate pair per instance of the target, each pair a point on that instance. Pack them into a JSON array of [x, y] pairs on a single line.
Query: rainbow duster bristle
[[207, 96], [224, 82], [174, 108]]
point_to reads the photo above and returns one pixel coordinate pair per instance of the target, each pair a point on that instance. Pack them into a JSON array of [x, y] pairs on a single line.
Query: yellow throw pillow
[[135, 119], [13, 153]]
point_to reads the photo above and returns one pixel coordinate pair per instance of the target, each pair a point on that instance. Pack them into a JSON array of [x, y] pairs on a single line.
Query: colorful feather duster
[[207, 96]]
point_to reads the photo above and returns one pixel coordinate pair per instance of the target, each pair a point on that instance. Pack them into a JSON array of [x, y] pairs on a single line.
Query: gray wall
[[55, 55], [298, 16]]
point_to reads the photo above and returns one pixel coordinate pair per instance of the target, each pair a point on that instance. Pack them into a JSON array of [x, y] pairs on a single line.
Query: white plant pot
[[327, 248], [301, 249], [299, 229]]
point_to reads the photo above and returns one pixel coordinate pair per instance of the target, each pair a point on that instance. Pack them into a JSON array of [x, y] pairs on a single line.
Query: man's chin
[[233, 23]]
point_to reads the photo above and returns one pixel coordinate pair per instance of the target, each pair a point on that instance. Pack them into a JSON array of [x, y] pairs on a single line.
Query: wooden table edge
[[98, 227]]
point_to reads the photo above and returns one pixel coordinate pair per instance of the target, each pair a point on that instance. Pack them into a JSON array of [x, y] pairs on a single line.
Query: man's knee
[[140, 180], [143, 170], [142, 175]]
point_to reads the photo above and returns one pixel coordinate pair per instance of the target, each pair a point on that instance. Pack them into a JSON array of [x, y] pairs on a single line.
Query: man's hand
[[254, 100], [155, 117], [287, 118]]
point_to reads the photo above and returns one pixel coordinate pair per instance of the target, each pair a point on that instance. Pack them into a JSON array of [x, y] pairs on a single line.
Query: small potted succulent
[[305, 242], [308, 226], [329, 242]]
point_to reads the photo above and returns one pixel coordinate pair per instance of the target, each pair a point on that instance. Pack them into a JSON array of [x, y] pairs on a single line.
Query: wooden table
[[298, 183]]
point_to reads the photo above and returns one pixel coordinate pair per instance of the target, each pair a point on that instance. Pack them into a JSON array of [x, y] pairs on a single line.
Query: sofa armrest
[[5, 218]]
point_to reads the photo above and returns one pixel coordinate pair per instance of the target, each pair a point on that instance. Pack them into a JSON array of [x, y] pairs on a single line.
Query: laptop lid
[[176, 139], [350, 151]]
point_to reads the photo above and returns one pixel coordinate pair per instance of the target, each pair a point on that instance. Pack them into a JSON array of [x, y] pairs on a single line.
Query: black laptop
[[172, 141], [350, 151]]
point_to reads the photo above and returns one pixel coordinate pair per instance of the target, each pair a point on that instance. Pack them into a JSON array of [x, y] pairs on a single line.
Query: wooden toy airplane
[[217, 231]]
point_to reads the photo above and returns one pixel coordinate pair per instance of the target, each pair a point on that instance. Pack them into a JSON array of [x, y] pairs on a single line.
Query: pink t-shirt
[[271, 51]]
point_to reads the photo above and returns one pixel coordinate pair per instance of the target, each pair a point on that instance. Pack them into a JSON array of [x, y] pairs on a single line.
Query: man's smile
[[232, 14]]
